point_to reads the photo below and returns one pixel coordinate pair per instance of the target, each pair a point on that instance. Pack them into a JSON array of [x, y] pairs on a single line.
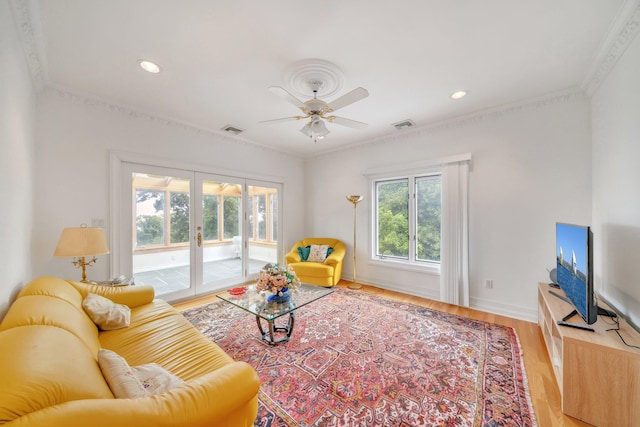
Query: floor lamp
[[354, 199]]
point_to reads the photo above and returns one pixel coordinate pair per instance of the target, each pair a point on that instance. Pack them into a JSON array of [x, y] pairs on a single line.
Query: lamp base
[[354, 285]]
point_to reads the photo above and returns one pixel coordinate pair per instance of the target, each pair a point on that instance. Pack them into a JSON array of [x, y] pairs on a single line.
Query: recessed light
[[459, 94], [149, 66]]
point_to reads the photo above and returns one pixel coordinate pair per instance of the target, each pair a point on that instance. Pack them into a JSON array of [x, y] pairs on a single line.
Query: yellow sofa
[[49, 374], [327, 273]]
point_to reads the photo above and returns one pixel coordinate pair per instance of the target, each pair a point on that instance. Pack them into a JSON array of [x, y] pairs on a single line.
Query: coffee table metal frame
[[256, 303]]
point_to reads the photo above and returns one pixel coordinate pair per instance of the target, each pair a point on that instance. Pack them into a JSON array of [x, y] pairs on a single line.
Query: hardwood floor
[[542, 385]]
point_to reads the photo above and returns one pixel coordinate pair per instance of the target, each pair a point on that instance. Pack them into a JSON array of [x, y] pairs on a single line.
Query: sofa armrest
[[226, 397], [336, 256], [292, 256], [132, 296]]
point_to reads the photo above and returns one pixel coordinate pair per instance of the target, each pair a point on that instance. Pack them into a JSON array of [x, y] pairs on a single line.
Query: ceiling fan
[[316, 110]]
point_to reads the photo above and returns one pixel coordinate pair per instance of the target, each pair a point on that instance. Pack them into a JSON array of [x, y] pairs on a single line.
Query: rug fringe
[[525, 381]]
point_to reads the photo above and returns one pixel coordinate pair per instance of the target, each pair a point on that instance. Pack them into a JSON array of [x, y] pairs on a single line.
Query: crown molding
[[123, 110], [620, 35], [484, 115], [31, 39]]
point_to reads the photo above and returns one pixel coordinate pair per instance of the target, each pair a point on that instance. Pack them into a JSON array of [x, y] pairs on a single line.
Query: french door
[[187, 233]]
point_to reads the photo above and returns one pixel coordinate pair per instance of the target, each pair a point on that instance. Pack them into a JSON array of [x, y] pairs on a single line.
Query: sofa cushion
[[53, 287], [312, 269], [46, 311], [105, 313], [160, 334], [45, 366]]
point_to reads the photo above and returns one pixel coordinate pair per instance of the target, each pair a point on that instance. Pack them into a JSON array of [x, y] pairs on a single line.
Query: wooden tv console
[[598, 376]]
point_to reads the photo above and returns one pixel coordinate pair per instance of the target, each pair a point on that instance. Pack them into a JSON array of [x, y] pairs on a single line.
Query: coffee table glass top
[[256, 302]]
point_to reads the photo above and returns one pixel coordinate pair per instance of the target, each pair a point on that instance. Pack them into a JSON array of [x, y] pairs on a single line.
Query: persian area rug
[[356, 359]]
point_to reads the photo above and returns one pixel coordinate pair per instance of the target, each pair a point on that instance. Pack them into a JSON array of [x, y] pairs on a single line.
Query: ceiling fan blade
[[348, 98], [284, 119], [346, 122], [282, 93]]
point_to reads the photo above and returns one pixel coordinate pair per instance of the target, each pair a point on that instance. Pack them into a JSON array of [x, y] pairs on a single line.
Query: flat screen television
[[574, 269]]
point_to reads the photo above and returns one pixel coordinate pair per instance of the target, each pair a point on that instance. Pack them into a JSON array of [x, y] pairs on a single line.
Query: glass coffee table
[[256, 303]]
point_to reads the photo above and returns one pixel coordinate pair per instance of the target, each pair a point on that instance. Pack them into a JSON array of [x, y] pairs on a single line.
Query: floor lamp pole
[[354, 199]]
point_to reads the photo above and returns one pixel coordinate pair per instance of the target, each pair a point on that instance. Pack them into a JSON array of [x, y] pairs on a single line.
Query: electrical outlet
[[488, 284]]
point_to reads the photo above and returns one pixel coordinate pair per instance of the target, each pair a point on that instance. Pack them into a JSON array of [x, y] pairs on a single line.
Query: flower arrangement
[[276, 279]]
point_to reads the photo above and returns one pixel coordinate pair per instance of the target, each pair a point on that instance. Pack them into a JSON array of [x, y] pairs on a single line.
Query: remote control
[[574, 325]]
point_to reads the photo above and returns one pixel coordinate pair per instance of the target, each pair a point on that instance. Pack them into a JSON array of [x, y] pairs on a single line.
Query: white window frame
[[411, 262], [408, 170], [412, 202]]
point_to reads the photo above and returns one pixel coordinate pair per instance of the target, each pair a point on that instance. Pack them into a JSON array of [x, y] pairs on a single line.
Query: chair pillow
[[318, 253], [304, 252], [105, 313], [119, 375]]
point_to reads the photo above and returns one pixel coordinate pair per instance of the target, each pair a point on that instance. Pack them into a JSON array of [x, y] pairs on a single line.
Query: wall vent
[[232, 129], [404, 124]]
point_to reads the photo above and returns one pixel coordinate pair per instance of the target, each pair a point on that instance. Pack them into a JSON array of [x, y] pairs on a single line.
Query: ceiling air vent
[[232, 129], [404, 124]]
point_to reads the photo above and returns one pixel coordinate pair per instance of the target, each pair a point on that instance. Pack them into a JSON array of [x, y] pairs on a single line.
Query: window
[[407, 219], [420, 220]]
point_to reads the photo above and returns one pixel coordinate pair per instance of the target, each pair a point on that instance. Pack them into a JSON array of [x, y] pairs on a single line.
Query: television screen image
[[574, 259]]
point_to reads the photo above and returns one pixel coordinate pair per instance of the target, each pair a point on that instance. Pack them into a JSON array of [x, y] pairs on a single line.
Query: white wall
[[17, 120], [75, 137], [531, 167], [616, 184]]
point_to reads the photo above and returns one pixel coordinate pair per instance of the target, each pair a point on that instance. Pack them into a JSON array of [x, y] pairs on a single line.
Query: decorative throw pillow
[[318, 253], [155, 379], [119, 375], [129, 382], [304, 252], [105, 313]]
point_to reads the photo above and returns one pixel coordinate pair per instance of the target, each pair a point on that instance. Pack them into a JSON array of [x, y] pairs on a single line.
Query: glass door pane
[[219, 255], [161, 227], [263, 227]]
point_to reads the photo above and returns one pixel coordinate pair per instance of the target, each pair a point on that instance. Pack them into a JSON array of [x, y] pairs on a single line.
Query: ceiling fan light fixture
[[319, 128], [306, 129], [315, 129]]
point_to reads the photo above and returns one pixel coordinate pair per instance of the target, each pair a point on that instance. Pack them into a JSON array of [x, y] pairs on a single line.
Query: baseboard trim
[[522, 313], [508, 310]]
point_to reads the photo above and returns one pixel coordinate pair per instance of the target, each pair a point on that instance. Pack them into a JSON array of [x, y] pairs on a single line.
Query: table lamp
[[81, 242]]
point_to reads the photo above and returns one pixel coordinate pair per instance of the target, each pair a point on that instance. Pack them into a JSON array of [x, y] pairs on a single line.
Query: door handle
[[199, 238]]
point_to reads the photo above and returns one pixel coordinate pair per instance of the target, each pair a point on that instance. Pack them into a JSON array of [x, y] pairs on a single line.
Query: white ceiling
[[219, 57]]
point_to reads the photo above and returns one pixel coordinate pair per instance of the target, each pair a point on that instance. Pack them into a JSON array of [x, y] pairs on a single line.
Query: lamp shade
[[81, 241], [306, 129], [319, 128]]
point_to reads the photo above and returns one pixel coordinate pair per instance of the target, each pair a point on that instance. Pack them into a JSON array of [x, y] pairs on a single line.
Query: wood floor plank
[[545, 395]]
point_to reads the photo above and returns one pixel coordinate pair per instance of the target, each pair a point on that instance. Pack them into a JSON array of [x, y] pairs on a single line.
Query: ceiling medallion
[[309, 75]]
